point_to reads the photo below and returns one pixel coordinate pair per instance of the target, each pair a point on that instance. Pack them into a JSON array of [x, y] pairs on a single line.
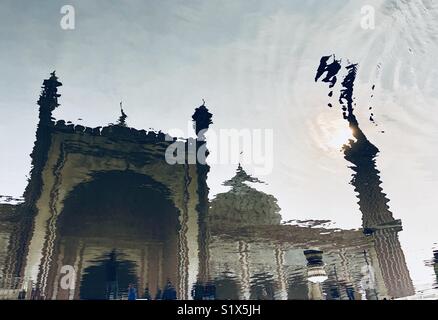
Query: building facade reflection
[[104, 201]]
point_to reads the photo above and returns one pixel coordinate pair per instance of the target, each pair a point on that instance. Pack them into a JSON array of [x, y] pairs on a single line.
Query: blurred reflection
[[104, 201], [377, 221]]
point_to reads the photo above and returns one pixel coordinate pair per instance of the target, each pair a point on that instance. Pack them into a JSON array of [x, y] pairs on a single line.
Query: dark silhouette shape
[[158, 295], [112, 290], [48, 100], [314, 257], [169, 292], [122, 118], [377, 219], [331, 70], [132, 292], [203, 291], [146, 294], [202, 119]]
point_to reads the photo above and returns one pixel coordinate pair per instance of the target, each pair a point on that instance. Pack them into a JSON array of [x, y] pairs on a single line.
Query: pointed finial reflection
[[122, 118]]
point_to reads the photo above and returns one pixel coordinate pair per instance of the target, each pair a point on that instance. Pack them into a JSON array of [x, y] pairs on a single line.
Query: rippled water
[[103, 217], [124, 237]]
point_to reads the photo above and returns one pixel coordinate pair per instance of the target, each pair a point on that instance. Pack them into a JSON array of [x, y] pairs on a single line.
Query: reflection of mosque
[[104, 201]]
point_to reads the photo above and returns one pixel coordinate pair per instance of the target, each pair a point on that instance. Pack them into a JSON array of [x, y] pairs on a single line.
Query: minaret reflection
[[377, 220]]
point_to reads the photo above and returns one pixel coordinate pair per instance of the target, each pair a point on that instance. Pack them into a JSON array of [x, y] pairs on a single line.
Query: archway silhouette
[[125, 212]]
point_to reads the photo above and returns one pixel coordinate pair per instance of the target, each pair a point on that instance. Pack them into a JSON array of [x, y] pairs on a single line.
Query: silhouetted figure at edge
[[146, 294], [204, 292], [435, 264], [169, 292], [158, 295], [197, 291], [36, 294], [132, 292], [112, 288]]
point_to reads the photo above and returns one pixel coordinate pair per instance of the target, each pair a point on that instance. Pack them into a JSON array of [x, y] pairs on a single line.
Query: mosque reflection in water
[[104, 202]]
